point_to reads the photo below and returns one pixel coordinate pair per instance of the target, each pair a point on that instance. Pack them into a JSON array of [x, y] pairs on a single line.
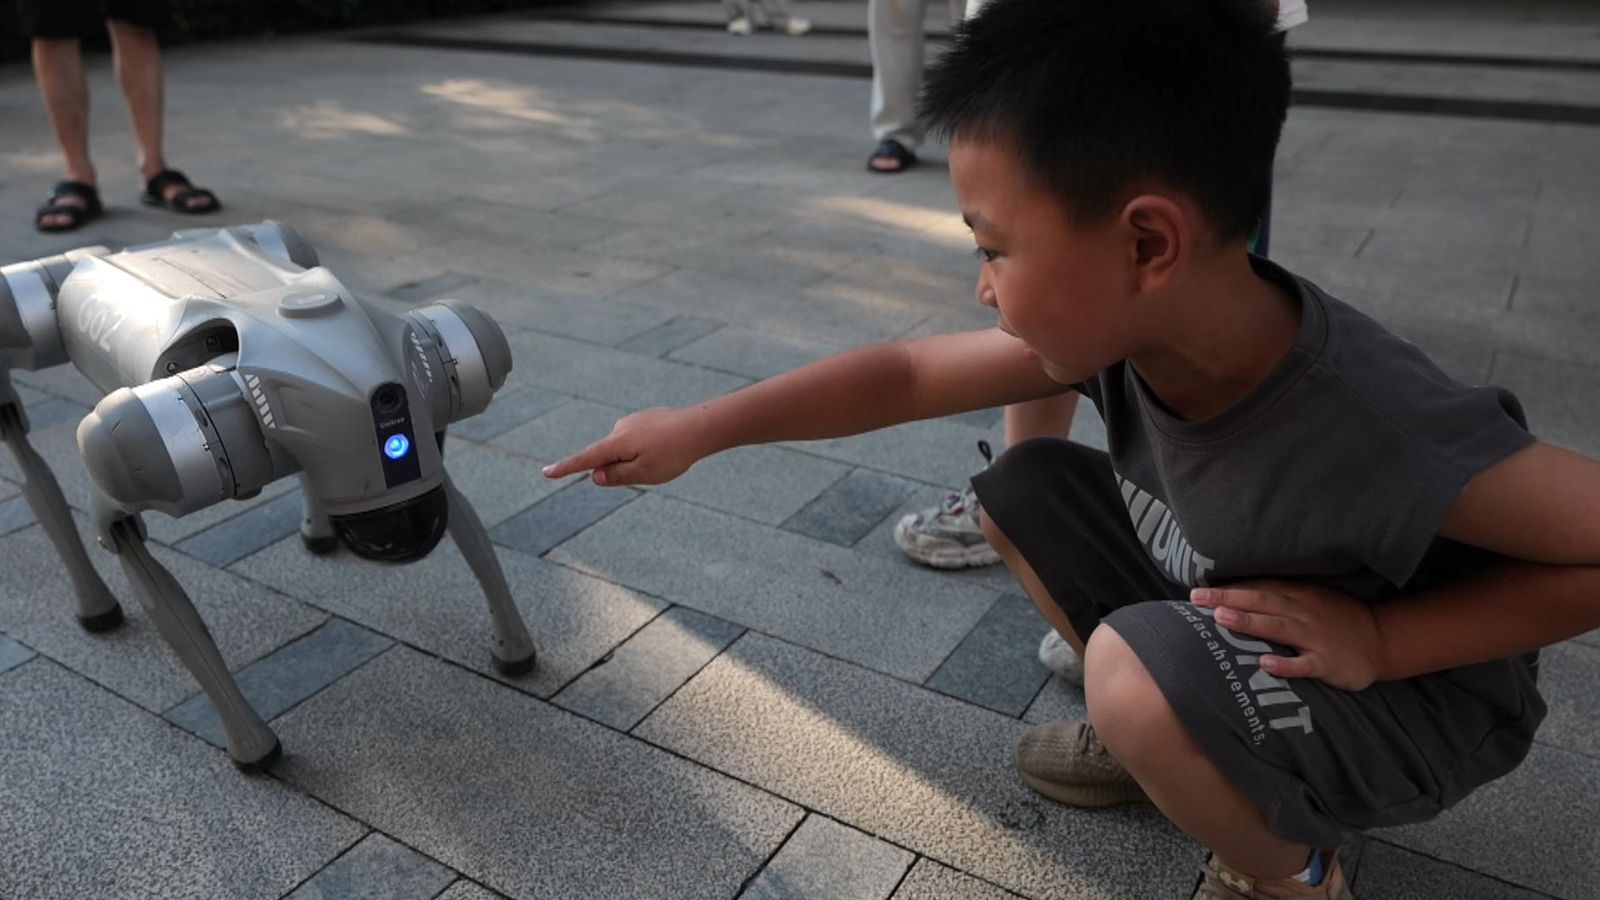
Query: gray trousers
[[894, 32]]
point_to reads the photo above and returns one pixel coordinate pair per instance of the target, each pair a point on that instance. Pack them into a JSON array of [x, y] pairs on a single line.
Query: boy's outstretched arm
[[848, 393], [1540, 508]]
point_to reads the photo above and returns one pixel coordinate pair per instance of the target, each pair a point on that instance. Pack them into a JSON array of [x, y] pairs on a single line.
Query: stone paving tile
[[1558, 397], [1552, 850], [499, 484], [1390, 873], [889, 618], [483, 217], [508, 410], [233, 540], [824, 860], [764, 482], [576, 506], [930, 881], [611, 376], [1057, 701], [980, 418], [288, 675], [645, 670], [536, 307], [104, 801], [54, 412], [849, 509], [521, 797], [60, 381], [1568, 673], [377, 869], [562, 431], [664, 339], [466, 890], [571, 272], [1413, 287], [834, 320], [429, 288], [438, 606], [36, 607], [370, 274], [1560, 299], [935, 451], [752, 354], [15, 513], [13, 654], [997, 664], [925, 772]]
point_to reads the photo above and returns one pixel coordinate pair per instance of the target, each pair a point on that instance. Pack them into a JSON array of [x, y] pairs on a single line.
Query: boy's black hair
[[1098, 95]]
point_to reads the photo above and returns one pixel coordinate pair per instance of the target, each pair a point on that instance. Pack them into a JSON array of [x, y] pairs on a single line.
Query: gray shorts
[[1314, 759]]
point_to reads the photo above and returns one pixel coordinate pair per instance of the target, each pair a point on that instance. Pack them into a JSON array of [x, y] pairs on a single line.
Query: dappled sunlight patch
[[516, 103], [43, 161], [327, 119], [937, 222]]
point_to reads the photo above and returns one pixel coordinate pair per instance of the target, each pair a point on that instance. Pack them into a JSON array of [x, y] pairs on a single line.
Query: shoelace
[[1089, 742], [956, 503]]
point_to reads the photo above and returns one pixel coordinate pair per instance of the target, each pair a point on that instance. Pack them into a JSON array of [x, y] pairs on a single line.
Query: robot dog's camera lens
[[388, 400], [401, 533]]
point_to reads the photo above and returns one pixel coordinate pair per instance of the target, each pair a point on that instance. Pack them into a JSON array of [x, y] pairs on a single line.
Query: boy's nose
[[985, 292]]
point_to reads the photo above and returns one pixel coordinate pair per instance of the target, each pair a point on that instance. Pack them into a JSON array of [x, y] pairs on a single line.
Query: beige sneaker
[[1219, 882], [1066, 762]]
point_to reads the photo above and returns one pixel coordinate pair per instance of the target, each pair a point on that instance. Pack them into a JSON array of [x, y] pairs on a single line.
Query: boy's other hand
[[650, 447], [1336, 634]]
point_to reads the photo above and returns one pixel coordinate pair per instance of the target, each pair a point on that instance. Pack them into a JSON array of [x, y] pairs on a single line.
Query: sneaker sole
[[946, 558], [1092, 796]]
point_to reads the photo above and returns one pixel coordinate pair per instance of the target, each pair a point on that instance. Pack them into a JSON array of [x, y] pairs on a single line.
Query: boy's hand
[[650, 447], [1337, 635]]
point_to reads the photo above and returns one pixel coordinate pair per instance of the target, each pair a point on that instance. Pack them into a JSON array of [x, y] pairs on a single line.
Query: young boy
[[1309, 578]]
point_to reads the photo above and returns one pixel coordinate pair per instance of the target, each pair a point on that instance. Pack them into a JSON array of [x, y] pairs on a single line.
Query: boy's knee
[[1129, 712]]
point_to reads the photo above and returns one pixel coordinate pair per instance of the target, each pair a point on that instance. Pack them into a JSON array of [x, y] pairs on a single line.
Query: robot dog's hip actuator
[[229, 359]]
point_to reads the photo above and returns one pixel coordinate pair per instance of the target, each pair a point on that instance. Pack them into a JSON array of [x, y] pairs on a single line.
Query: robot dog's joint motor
[[229, 359]]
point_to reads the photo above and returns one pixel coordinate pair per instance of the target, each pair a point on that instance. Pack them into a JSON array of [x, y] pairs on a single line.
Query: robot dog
[[230, 360]]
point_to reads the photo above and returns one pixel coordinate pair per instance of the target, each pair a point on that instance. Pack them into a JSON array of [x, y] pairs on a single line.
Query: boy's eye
[[985, 254]]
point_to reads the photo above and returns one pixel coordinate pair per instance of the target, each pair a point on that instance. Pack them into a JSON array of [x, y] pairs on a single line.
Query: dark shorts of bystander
[[1316, 760], [65, 19]]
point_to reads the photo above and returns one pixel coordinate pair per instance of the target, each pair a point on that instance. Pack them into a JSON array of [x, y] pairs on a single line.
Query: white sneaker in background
[[796, 26], [1059, 657], [946, 536], [739, 26]]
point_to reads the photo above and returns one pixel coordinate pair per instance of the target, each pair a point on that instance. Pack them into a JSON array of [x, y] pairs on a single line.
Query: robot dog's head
[[271, 366]]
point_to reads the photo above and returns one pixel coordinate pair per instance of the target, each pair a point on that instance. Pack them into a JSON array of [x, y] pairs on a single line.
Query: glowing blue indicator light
[[397, 446]]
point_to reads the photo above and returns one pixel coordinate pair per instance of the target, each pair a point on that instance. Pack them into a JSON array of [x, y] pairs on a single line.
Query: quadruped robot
[[230, 359]]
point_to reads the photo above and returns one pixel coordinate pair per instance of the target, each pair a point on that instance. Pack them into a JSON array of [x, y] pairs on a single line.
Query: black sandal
[[155, 194], [76, 214], [891, 149]]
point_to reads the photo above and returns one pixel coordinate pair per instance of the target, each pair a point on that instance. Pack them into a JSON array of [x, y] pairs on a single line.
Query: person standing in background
[[775, 15], [895, 36], [57, 28]]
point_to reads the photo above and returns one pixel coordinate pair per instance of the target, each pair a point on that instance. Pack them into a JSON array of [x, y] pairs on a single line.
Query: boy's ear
[[1161, 237]]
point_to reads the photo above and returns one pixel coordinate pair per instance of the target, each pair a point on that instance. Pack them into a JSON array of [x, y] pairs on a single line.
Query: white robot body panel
[[230, 360]]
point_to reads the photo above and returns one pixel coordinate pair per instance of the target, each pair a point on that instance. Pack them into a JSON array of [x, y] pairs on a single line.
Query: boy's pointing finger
[[589, 458]]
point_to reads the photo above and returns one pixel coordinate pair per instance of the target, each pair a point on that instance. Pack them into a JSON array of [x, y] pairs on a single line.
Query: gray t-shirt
[[1337, 469]]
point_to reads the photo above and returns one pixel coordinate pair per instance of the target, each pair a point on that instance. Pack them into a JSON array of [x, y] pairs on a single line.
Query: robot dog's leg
[[251, 743], [316, 532], [97, 608], [513, 649]]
